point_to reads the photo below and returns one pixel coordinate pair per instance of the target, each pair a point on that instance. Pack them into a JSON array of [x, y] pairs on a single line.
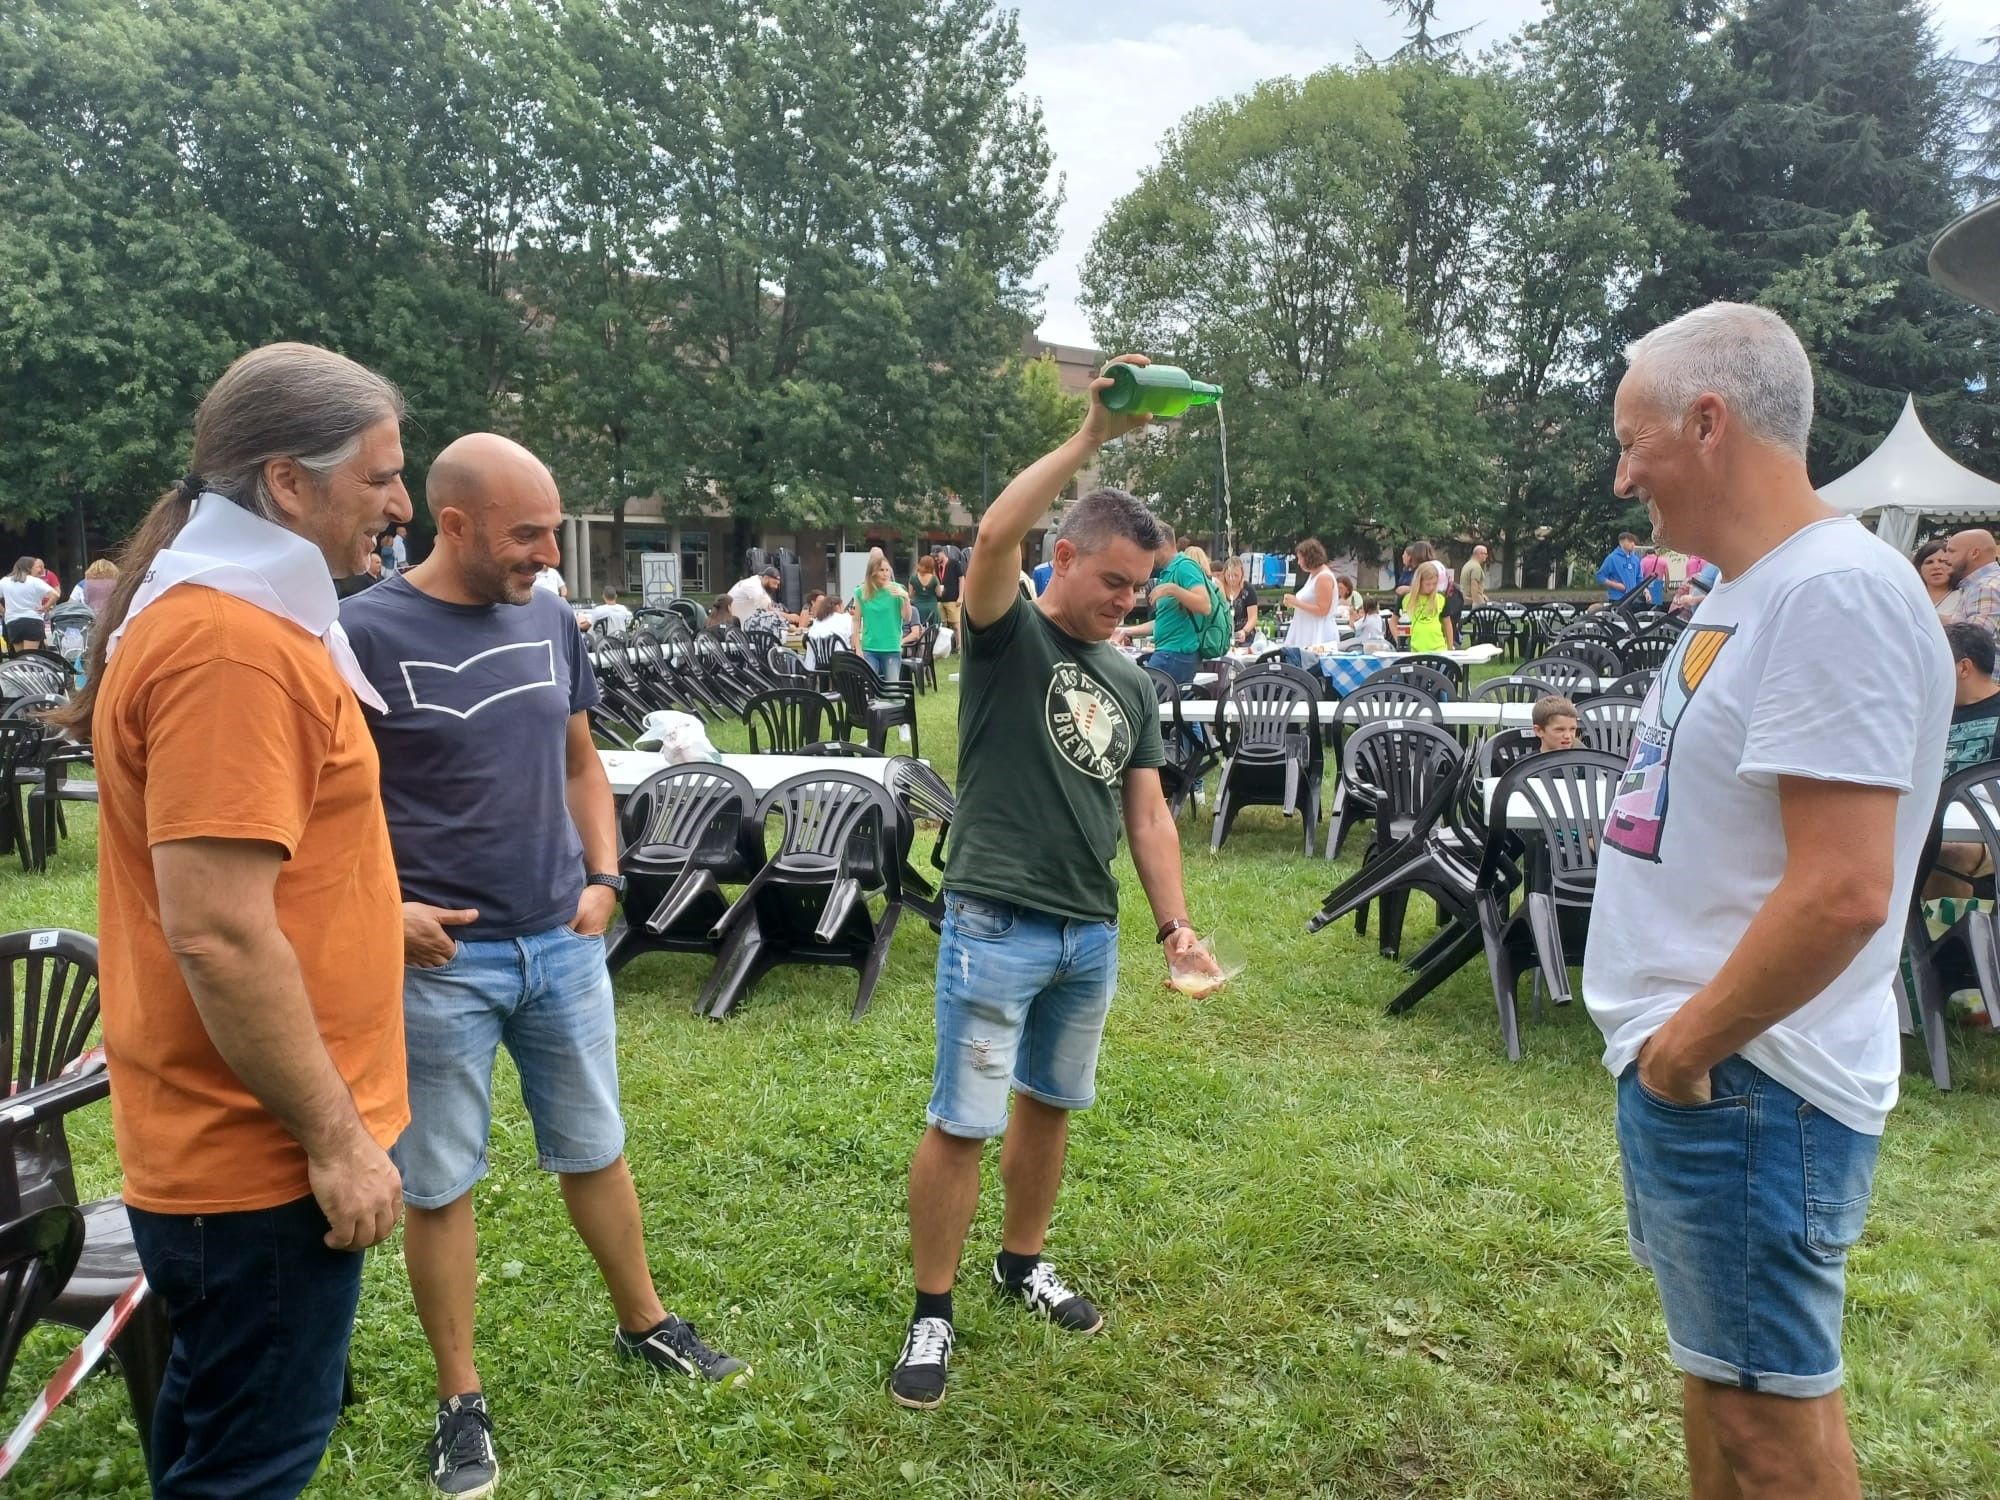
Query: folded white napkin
[[226, 548]]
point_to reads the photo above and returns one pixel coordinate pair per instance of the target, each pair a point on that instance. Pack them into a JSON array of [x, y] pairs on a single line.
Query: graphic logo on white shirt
[[462, 690], [1638, 818], [1086, 724]]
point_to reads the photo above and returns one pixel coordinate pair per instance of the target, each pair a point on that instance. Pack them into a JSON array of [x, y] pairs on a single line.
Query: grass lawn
[[1342, 1255]]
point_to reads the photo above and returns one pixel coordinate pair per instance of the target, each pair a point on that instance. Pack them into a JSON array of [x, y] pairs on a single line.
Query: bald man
[[1975, 579], [506, 849]]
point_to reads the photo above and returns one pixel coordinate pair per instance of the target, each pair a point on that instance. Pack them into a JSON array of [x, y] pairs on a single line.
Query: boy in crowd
[[1555, 723]]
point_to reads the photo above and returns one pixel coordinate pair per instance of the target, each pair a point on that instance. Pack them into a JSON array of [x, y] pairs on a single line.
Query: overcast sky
[[1114, 79]]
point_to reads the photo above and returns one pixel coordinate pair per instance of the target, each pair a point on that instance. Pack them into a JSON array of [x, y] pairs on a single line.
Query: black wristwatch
[[616, 882]]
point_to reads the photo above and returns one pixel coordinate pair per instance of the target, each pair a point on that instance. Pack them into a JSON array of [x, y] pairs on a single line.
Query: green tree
[[1822, 110], [860, 202], [1982, 82], [1576, 231], [1268, 249]]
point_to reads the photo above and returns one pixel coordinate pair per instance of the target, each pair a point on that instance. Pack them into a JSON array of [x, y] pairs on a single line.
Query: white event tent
[[1909, 478]]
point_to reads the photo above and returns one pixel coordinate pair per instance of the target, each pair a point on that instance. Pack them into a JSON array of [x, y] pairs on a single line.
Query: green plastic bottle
[[1162, 390]]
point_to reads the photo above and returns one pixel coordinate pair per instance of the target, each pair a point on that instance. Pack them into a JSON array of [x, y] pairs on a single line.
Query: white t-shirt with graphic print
[[1823, 660]]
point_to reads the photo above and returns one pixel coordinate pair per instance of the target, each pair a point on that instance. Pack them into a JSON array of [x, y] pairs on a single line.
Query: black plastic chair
[[1634, 685], [1426, 680], [51, 983], [1374, 701], [1537, 627], [1394, 769], [1972, 943], [1568, 676], [1569, 795], [1190, 755], [1514, 690], [47, 795], [21, 749], [1606, 723], [1439, 857], [1270, 759], [1500, 752], [789, 719], [1451, 671], [1486, 625], [920, 660], [1602, 658], [925, 802], [1650, 648], [809, 903], [686, 830], [873, 706], [32, 707], [840, 749], [38, 1252]]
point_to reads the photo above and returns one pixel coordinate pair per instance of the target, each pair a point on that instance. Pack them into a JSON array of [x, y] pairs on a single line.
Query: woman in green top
[[927, 589], [878, 617]]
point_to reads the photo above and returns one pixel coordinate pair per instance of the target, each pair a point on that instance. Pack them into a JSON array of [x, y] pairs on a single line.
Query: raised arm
[[993, 580]]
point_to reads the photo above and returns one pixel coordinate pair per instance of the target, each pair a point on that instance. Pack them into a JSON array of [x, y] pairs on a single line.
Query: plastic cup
[[1207, 967]]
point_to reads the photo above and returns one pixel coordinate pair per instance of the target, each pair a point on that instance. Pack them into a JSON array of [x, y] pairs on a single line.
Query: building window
[[694, 563]]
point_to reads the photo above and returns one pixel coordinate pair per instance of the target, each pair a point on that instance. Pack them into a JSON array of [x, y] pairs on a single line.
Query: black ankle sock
[[933, 1305], [1014, 1268]]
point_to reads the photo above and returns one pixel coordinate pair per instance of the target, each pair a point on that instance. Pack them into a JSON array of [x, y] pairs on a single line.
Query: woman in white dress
[[1314, 622]]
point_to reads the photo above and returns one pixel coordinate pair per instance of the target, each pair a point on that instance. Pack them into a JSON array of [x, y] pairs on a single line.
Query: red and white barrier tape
[[86, 1357]]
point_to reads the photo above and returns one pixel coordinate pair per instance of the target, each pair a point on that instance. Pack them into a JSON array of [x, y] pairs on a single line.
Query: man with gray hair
[[1747, 1002], [1056, 723]]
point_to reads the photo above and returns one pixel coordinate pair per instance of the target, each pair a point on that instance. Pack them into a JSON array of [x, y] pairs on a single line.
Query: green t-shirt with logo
[[1174, 629], [1047, 727]]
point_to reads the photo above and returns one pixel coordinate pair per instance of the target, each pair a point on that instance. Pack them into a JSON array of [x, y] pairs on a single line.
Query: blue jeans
[[1021, 1001], [546, 998], [262, 1312], [1744, 1209], [1179, 665], [888, 665]]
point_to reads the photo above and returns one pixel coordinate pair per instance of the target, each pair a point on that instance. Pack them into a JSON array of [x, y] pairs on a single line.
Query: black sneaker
[[1045, 1296], [675, 1346], [462, 1461], [918, 1379]]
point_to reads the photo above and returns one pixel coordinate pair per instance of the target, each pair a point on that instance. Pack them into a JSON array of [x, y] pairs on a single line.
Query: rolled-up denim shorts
[[1744, 1209], [1021, 1000], [547, 999]]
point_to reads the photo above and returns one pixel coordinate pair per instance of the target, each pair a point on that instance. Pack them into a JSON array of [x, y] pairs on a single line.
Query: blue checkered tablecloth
[[1346, 672]]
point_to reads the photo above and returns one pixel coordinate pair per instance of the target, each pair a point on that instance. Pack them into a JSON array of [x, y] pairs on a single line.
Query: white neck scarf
[[226, 548]]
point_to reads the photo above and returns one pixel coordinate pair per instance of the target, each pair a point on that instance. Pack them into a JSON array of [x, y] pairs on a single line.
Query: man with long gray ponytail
[[252, 943]]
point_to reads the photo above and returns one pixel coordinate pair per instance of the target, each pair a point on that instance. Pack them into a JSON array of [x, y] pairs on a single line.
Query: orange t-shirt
[[217, 719]]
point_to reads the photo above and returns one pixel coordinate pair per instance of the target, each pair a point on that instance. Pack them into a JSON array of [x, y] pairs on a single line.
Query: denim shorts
[[546, 998], [1744, 1209], [1021, 1001]]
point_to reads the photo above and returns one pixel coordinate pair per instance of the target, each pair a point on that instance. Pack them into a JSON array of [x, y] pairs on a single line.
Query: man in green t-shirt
[[1059, 742], [1181, 603]]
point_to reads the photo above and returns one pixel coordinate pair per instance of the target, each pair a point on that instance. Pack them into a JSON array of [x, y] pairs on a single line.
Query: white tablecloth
[[1454, 713], [627, 768]]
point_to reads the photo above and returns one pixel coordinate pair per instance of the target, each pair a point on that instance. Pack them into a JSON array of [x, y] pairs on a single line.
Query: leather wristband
[[1172, 926]]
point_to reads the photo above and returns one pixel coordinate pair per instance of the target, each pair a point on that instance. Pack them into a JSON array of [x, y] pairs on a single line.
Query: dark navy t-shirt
[[474, 750]]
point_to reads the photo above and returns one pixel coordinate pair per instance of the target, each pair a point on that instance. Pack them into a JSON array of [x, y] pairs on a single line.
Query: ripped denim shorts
[[1021, 1000]]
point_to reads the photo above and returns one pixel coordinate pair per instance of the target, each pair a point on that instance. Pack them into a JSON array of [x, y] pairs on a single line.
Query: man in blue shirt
[[506, 847], [1622, 569]]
